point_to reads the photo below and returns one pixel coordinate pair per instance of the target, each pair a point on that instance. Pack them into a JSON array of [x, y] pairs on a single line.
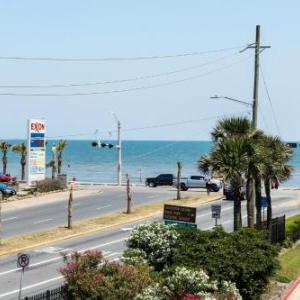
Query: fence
[[55, 294], [277, 233]]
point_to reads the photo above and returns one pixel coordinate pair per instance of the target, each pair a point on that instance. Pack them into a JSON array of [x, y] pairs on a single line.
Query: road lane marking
[[42, 221], [9, 219], [101, 207], [59, 257]]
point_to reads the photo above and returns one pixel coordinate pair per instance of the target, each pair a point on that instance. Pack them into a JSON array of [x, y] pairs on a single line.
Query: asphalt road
[[42, 273], [107, 200]]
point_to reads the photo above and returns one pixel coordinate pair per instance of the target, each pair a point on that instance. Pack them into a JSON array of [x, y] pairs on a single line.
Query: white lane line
[[9, 219], [42, 221], [58, 257], [101, 207]]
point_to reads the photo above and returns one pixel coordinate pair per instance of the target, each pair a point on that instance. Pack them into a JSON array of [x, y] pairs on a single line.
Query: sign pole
[[21, 282]]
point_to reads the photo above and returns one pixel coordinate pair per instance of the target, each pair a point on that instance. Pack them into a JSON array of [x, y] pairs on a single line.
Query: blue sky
[[144, 28]]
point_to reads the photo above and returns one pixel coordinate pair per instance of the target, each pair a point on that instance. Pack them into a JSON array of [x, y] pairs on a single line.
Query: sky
[[173, 102]]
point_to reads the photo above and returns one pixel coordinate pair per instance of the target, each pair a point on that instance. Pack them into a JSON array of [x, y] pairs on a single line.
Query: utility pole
[[251, 182], [119, 154], [70, 208]]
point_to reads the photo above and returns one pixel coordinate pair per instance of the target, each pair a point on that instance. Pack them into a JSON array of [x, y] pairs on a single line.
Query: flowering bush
[[184, 283], [88, 276], [157, 242]]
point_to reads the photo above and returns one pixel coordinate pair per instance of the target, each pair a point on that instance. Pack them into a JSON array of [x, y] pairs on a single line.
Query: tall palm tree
[[230, 157], [22, 150], [276, 168], [60, 147], [241, 127], [4, 147]]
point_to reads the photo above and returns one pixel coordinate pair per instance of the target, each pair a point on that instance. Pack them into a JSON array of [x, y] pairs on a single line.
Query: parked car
[[7, 190], [162, 179], [198, 181], [228, 191], [7, 178]]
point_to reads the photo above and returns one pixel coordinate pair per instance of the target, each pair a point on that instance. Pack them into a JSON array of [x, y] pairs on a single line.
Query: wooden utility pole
[[179, 166], [129, 195], [70, 208]]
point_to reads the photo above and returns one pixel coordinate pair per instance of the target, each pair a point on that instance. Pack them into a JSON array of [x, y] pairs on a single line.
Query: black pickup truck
[[162, 179]]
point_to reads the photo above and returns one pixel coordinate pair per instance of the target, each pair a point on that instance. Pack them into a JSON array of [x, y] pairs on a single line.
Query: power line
[[65, 59], [120, 80], [121, 90], [269, 98]]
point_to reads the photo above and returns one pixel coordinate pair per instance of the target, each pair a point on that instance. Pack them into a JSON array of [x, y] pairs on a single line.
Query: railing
[[55, 294]]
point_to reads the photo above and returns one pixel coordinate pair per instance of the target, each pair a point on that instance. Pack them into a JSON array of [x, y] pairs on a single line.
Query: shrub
[[156, 242], [88, 276], [245, 257], [48, 185], [185, 283], [293, 228]]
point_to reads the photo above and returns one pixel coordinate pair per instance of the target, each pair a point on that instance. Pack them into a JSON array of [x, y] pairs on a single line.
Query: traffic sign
[[180, 224], [216, 211], [263, 201], [23, 260]]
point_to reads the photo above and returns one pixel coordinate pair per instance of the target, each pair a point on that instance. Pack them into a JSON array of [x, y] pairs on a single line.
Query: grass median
[[98, 224]]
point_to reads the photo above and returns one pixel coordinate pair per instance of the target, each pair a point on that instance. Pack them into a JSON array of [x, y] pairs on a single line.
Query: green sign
[[180, 224]]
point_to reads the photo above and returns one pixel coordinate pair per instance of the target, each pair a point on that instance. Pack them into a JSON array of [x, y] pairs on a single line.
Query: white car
[[199, 181]]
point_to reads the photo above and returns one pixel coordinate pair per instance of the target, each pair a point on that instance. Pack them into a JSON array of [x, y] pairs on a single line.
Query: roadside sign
[[23, 260], [180, 224], [179, 213], [216, 211], [263, 201]]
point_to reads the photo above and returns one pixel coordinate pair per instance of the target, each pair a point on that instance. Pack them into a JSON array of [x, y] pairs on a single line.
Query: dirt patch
[[89, 226]]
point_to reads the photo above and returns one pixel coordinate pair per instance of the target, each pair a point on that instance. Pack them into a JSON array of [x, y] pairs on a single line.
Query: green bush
[[48, 185], [88, 276], [245, 257], [292, 228]]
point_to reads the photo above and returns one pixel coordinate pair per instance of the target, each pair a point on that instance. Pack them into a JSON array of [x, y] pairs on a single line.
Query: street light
[[232, 99]]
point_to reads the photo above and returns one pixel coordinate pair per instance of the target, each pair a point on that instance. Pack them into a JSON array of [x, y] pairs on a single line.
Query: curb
[[88, 232], [291, 288]]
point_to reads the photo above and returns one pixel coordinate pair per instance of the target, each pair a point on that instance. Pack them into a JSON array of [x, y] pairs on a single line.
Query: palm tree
[[241, 127], [276, 168], [21, 149], [51, 164], [60, 147], [4, 147], [230, 158], [179, 166]]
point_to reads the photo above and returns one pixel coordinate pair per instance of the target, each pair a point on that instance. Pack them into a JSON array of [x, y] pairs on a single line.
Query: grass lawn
[[290, 265]]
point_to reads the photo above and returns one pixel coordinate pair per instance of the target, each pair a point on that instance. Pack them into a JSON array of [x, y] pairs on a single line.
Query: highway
[[106, 200], [42, 273]]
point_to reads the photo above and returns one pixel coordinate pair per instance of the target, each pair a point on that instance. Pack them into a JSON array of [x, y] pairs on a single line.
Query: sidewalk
[[293, 291]]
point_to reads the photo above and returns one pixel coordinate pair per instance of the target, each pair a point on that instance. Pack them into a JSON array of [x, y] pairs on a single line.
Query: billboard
[[36, 151]]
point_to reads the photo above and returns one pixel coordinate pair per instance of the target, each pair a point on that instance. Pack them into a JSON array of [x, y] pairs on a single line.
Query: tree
[[230, 158], [276, 167], [179, 166], [129, 194], [4, 147], [62, 144], [241, 127], [51, 164], [22, 150], [70, 208]]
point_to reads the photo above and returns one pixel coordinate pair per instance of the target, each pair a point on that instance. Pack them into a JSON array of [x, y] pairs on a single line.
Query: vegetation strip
[[90, 226]]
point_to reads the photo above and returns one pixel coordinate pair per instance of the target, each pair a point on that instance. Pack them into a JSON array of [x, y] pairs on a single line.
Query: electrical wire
[[120, 80], [64, 59], [269, 98], [121, 90]]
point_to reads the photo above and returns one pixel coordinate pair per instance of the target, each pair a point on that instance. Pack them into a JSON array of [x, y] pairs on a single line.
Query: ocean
[[140, 159]]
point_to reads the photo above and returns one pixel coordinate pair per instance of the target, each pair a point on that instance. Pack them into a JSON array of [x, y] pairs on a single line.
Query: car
[[6, 190], [7, 178], [162, 179], [199, 181], [228, 191]]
